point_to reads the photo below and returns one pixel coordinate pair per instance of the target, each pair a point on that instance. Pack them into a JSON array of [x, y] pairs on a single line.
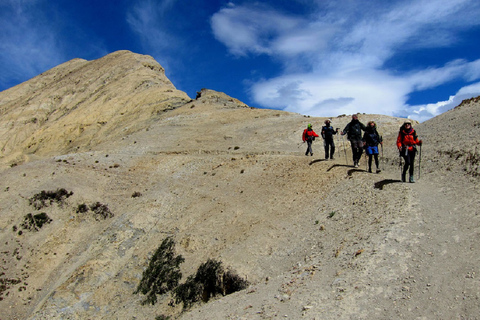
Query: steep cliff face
[[82, 103]]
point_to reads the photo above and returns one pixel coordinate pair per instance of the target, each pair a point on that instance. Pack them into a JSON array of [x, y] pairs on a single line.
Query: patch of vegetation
[[331, 214], [82, 208], [101, 211], [46, 198], [163, 272], [163, 275], [5, 284], [35, 222], [210, 280]]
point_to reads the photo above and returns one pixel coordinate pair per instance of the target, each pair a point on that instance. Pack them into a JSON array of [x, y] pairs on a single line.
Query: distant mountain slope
[[451, 139], [81, 103]]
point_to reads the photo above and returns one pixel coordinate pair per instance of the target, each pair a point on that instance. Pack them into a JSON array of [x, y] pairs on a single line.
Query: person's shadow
[[380, 184], [317, 160], [338, 165]]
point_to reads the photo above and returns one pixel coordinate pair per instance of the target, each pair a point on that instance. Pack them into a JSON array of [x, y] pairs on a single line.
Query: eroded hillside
[[79, 104]]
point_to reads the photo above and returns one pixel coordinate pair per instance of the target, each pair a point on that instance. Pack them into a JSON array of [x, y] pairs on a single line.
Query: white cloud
[[252, 29], [347, 93], [427, 111], [457, 69], [345, 46]]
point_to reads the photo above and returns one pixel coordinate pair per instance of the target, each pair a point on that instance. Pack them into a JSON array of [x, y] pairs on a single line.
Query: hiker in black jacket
[[327, 135], [353, 130], [371, 140]]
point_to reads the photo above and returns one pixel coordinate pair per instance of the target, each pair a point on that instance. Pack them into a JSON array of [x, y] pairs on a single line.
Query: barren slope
[[80, 103]]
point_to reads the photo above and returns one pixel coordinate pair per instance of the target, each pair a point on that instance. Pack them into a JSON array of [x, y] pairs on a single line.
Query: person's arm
[[399, 141]]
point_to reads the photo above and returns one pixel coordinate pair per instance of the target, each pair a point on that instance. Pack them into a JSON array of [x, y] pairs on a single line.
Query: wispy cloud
[[27, 42], [253, 29], [345, 46], [148, 19]]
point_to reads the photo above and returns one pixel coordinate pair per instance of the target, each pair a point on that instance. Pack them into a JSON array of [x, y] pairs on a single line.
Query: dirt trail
[[414, 255], [443, 269]]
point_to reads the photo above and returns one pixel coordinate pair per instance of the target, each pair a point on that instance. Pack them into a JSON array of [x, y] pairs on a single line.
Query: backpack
[[308, 137]]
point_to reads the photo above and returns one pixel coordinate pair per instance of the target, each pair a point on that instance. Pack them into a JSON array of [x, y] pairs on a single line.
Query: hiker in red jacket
[[308, 137], [407, 141]]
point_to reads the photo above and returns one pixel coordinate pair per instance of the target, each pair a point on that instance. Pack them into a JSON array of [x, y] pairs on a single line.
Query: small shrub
[[162, 274], [82, 208], [209, 275], [211, 279], [35, 222], [232, 282], [46, 198], [6, 283], [189, 292], [101, 211]]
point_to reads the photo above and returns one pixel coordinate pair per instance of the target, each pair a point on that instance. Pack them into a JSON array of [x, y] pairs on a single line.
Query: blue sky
[[412, 59]]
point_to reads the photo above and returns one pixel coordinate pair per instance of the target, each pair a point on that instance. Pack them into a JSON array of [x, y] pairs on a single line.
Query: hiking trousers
[[309, 148], [357, 150], [370, 156], [329, 148], [409, 158]]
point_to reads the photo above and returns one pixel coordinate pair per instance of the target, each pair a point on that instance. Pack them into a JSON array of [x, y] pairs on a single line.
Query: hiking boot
[[311, 154], [378, 171], [332, 158], [411, 179], [355, 164], [403, 178], [369, 170]]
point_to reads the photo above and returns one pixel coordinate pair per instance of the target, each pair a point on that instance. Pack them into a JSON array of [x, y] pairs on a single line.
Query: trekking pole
[[419, 161], [366, 160], [345, 150], [400, 162], [382, 160]]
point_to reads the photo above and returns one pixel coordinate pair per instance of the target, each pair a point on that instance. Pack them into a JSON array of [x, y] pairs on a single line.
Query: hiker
[[353, 130], [308, 137], [406, 142], [371, 140], [327, 135]]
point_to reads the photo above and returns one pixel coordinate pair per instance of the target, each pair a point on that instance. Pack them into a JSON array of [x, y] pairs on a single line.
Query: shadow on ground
[[338, 165], [382, 183], [317, 160]]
